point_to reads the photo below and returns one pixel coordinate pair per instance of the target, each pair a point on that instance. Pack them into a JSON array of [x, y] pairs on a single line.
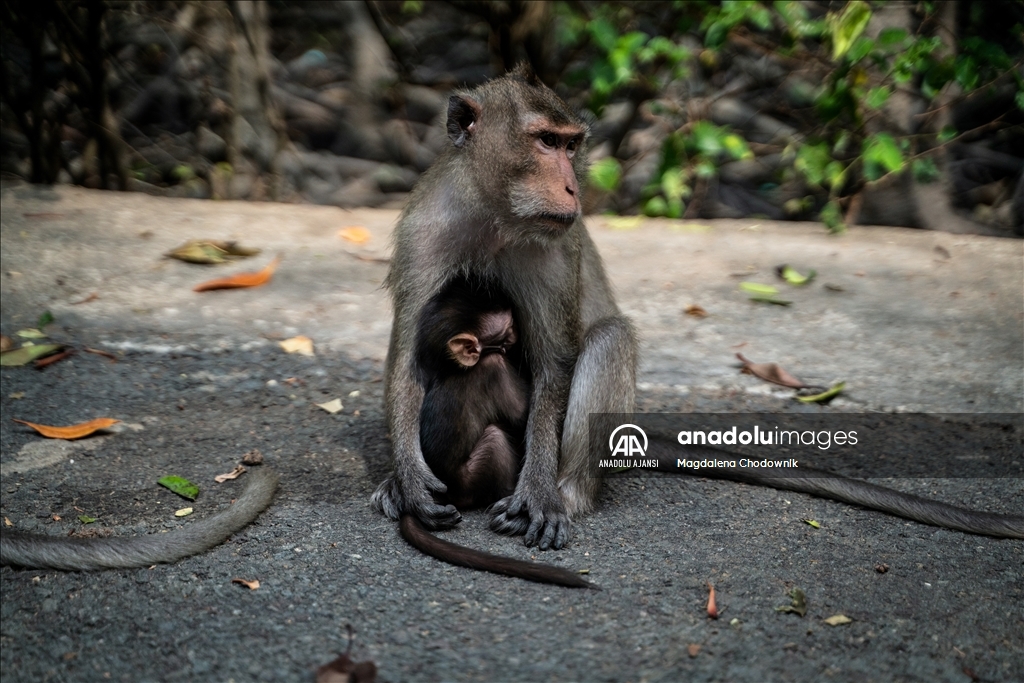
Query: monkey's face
[[522, 146], [550, 190]]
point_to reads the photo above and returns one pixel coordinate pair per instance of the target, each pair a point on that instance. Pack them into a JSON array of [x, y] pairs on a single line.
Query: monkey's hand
[[542, 519], [392, 499]]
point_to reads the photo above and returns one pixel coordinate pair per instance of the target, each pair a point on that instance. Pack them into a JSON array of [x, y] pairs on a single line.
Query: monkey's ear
[[463, 113], [465, 349]]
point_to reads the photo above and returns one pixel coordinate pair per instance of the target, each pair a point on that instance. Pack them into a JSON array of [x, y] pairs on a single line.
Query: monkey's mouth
[[560, 218]]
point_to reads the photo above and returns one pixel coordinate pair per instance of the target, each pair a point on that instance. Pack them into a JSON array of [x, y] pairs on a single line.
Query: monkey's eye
[[549, 140], [571, 147]]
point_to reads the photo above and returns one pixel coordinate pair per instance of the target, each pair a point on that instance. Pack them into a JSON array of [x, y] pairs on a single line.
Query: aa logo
[[628, 443]]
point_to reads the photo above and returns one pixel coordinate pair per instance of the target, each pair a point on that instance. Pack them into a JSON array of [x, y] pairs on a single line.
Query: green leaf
[[832, 217], [27, 354], [603, 33], [183, 172], [811, 161], [45, 319], [793, 276], [877, 97], [966, 73], [847, 26], [860, 49], [31, 333], [656, 206], [707, 138], [882, 149], [183, 487], [86, 519], [891, 37], [737, 147], [816, 524], [925, 170], [823, 396], [1019, 99], [948, 133], [606, 174], [758, 288], [835, 174]]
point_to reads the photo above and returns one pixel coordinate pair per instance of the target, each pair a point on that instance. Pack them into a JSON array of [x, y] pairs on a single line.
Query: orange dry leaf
[[712, 607], [355, 233], [241, 280], [251, 585], [770, 372], [73, 431]]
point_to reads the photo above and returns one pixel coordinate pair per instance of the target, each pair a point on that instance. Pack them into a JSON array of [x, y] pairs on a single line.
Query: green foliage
[[846, 80], [845, 28], [688, 155], [606, 174], [625, 58]]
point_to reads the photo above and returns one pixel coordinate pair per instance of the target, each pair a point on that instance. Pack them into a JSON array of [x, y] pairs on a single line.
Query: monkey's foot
[[392, 501], [546, 529]]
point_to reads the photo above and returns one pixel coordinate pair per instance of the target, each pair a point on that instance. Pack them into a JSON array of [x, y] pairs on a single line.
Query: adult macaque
[[54, 552], [501, 207]]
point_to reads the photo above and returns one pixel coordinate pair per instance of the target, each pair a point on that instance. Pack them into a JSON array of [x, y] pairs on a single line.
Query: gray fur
[[31, 550]]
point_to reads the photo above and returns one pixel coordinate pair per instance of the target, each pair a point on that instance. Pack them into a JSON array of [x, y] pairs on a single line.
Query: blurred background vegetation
[[891, 113]]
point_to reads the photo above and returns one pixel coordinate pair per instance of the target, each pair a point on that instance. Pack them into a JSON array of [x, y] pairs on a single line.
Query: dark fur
[[473, 419]]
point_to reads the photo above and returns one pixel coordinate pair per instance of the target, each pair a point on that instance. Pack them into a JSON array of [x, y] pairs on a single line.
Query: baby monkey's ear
[[464, 349]]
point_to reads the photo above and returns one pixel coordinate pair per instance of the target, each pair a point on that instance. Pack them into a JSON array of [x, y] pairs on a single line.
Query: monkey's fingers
[[436, 517], [548, 532], [503, 522]]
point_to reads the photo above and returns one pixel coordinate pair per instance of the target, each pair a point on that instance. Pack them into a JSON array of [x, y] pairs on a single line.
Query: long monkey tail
[[837, 487], [32, 550], [421, 539]]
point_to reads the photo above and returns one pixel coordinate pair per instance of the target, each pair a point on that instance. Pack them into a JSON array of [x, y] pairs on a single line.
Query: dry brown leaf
[[240, 280], [344, 670], [72, 432], [712, 607], [770, 372], [233, 474], [8, 522], [50, 360], [251, 585], [693, 649], [6, 343], [355, 233], [91, 297], [301, 345], [99, 352], [696, 311]]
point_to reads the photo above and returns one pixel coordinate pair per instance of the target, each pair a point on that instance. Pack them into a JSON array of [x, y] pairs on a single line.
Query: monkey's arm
[[31, 550], [410, 487]]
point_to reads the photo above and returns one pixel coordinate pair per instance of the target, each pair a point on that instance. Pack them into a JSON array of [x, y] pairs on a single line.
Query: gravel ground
[[197, 388]]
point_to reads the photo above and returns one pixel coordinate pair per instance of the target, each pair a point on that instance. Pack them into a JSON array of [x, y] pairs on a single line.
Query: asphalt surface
[[913, 321]]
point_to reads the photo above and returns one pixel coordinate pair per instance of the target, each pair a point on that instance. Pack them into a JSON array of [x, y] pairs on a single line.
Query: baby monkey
[[473, 419]]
